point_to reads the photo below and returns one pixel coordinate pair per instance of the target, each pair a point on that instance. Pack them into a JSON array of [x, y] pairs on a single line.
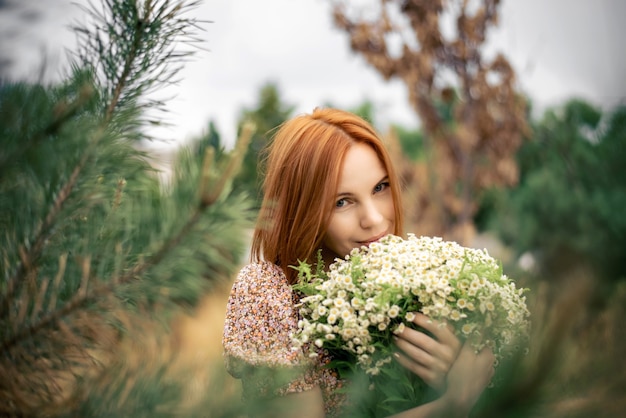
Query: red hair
[[303, 167]]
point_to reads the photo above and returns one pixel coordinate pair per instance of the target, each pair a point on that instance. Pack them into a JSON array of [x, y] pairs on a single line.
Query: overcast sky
[[560, 49]]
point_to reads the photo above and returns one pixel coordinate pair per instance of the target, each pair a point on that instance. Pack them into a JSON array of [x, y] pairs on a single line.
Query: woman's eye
[[340, 203], [381, 186]]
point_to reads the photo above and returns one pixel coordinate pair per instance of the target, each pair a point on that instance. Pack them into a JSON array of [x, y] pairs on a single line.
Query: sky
[[559, 48]]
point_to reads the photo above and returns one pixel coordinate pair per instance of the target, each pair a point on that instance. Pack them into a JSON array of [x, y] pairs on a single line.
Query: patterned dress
[[261, 316]]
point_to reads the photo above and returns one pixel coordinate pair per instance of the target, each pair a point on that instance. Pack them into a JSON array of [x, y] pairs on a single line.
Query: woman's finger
[[419, 339], [436, 380], [441, 330], [438, 362], [443, 344]]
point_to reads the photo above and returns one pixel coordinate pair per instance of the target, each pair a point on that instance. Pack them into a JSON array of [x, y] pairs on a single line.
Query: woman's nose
[[371, 214]]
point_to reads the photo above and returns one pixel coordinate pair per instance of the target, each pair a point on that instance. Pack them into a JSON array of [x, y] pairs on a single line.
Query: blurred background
[[507, 122], [559, 49]]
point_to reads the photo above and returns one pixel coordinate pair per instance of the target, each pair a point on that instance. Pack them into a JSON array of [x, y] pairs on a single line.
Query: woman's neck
[[328, 257]]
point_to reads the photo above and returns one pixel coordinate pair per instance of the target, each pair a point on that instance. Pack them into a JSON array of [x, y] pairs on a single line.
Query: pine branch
[[29, 258], [142, 53], [83, 297], [63, 113], [128, 65], [140, 47], [91, 233]]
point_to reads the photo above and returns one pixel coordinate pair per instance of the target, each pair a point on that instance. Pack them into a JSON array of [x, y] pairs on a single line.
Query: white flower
[[441, 279], [455, 315], [393, 311], [400, 328], [348, 334], [356, 302], [346, 315], [468, 328]]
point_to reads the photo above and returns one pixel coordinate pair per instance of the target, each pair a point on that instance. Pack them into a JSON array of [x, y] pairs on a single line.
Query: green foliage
[[394, 389], [267, 115], [211, 139], [138, 393], [134, 48], [153, 388], [90, 236], [412, 142], [365, 110], [568, 208]]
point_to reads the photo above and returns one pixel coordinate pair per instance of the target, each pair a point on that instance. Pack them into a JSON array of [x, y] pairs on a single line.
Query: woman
[[329, 185]]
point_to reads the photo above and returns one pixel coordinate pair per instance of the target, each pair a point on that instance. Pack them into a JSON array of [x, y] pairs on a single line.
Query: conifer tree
[[267, 114], [90, 241]]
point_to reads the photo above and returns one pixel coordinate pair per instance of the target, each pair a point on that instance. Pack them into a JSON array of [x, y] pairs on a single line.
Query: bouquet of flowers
[[352, 309]]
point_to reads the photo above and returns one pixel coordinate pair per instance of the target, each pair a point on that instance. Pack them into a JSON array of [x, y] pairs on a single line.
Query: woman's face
[[364, 210]]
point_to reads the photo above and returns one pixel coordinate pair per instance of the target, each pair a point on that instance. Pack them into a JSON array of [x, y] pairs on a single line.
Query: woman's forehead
[[361, 167]]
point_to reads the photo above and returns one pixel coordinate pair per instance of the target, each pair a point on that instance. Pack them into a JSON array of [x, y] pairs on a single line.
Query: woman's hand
[[469, 376], [430, 358]]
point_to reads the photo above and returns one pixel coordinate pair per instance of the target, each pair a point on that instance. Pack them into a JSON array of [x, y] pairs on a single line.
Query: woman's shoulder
[[262, 283], [261, 276], [261, 269]]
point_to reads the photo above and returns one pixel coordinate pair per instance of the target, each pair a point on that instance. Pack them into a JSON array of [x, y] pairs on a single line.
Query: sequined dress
[[260, 318]]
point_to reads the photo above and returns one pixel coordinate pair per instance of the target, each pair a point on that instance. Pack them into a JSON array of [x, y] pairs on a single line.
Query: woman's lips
[[369, 241]]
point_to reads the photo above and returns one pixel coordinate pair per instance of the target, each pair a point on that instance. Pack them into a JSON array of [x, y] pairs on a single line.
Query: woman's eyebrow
[[385, 178], [341, 195]]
